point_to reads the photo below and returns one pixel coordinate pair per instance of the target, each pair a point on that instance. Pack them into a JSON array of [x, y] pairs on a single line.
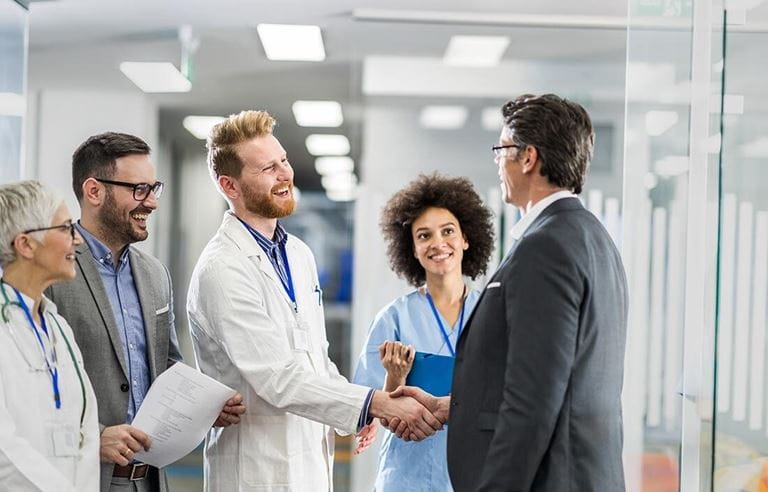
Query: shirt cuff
[[365, 419]]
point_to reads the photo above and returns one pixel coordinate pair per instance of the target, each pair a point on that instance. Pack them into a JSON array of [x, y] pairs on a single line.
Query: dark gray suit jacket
[[83, 302], [536, 398]]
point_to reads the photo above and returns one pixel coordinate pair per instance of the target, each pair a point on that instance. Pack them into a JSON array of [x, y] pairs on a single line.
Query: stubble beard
[[114, 227]]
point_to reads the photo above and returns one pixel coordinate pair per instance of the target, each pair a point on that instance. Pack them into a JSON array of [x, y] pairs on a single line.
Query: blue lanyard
[[53, 371], [442, 328], [287, 282]]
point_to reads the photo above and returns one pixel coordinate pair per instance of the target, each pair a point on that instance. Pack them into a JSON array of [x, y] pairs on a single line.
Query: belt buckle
[[139, 467]]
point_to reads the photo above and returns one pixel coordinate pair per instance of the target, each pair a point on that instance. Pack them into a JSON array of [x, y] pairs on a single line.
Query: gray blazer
[[536, 397], [83, 302]]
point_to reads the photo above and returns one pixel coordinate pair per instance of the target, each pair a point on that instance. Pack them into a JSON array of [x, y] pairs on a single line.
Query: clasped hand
[[439, 408]]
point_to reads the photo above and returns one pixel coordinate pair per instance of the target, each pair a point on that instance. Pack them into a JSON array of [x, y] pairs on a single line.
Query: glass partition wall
[[13, 59]]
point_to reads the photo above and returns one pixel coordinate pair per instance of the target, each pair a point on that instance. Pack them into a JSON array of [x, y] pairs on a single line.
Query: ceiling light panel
[[475, 51], [339, 182], [318, 113], [155, 77], [320, 145], [492, 119], [334, 165], [290, 42], [443, 117], [341, 196], [201, 126]]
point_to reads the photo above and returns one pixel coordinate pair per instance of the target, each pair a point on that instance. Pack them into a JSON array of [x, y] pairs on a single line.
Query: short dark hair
[[454, 194], [97, 156], [560, 130]]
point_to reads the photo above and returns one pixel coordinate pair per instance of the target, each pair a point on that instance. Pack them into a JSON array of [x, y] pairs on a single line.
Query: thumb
[[399, 391]]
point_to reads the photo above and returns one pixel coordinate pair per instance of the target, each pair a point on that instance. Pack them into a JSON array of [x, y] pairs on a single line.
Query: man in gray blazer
[[120, 306], [536, 396]]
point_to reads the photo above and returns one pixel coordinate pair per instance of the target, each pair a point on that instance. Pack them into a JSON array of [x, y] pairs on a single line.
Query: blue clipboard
[[431, 372]]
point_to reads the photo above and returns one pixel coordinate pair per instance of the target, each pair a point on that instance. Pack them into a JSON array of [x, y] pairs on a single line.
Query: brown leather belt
[[136, 471]]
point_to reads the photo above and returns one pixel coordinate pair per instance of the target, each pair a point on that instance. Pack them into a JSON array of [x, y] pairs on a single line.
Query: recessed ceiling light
[[156, 76], [443, 117], [200, 126], [318, 144], [339, 182], [492, 119], [334, 165], [318, 113], [341, 195], [290, 42], [475, 51], [658, 122]]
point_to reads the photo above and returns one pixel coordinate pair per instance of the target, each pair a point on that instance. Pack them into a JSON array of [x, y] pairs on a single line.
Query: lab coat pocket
[[266, 448]]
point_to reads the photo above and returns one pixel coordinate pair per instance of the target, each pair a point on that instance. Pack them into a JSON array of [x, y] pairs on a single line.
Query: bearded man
[[120, 305], [256, 318]]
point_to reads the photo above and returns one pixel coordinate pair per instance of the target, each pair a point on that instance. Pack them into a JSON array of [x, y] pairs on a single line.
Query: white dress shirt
[[526, 220], [40, 445]]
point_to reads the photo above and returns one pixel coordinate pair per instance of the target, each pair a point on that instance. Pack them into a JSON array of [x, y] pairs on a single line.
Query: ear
[[466, 243], [93, 192], [229, 187], [530, 159], [24, 246]]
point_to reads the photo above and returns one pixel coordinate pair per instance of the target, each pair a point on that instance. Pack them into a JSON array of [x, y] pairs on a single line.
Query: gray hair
[[24, 205]]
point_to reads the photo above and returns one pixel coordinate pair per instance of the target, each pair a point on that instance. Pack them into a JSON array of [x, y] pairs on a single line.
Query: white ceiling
[[78, 44]]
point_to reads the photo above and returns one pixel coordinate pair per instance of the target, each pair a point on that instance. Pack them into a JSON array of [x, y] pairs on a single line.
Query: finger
[[419, 430], [384, 422], [401, 428], [119, 458], [397, 393], [411, 353], [395, 424], [128, 454], [432, 421], [132, 443], [236, 409], [382, 349], [140, 436], [235, 400]]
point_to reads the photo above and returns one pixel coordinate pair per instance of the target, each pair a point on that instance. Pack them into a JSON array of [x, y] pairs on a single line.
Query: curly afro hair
[[454, 194]]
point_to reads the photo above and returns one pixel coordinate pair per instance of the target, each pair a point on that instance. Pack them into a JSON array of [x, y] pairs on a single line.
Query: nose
[[151, 201], [286, 172]]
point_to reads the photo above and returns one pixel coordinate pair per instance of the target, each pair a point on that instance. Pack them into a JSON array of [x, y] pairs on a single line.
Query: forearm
[[392, 382]]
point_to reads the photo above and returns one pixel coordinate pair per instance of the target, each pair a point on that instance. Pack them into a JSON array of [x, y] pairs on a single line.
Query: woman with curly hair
[[438, 232]]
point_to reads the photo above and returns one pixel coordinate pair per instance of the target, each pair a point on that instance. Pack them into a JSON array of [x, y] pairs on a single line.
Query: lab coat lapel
[[253, 251]]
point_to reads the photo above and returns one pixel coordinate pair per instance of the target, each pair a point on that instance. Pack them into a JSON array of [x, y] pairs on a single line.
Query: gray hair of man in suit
[[560, 130], [24, 206]]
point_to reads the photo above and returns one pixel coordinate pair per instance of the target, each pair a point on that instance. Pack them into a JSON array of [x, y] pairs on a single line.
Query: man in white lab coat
[[256, 319]]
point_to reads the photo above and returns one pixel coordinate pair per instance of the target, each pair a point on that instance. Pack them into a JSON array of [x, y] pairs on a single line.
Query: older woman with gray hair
[[49, 434]]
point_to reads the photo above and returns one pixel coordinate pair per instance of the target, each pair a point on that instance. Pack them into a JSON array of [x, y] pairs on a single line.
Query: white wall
[[58, 121]]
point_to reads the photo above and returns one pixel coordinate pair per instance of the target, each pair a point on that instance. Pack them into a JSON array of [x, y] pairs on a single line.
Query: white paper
[[179, 409]]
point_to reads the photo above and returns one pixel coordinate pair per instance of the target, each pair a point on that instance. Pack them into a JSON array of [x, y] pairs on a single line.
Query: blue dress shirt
[[124, 300]]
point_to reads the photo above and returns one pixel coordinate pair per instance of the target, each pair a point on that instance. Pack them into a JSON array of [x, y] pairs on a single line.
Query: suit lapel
[[92, 278], [141, 279]]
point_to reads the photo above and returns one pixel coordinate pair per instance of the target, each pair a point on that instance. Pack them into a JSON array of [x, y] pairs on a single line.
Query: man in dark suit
[[120, 305], [536, 397]]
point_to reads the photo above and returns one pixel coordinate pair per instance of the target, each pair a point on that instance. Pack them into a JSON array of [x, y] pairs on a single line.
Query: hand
[[119, 443], [365, 437], [231, 412], [419, 421], [438, 406], [397, 359]]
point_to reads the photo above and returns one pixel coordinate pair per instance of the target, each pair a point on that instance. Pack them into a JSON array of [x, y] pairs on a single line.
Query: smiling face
[[438, 242], [56, 251], [123, 219], [266, 181]]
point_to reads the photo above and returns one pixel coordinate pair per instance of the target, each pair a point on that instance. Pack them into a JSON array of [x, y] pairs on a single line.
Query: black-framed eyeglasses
[[69, 225], [497, 149], [140, 190]]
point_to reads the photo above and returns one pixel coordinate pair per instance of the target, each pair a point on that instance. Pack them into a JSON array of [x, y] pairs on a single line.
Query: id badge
[[301, 339], [65, 441]]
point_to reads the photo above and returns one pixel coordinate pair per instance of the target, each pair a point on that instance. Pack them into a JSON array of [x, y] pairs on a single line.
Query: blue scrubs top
[[413, 466]]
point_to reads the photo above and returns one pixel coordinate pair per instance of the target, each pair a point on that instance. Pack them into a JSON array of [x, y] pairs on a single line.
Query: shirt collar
[[281, 236], [526, 220], [99, 250]]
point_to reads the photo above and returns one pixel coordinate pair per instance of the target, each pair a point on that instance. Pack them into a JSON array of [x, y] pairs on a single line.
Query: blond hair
[[224, 138]]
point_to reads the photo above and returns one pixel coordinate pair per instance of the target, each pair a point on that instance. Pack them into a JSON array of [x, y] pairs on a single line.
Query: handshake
[[410, 412]]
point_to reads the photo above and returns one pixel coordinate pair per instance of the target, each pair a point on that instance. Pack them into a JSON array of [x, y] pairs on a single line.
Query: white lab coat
[[247, 335], [39, 444]]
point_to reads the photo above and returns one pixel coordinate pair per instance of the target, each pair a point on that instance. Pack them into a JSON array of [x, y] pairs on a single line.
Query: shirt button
[[454, 403], [135, 383], [125, 311], [130, 345], [124, 387]]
